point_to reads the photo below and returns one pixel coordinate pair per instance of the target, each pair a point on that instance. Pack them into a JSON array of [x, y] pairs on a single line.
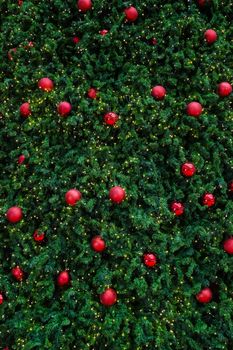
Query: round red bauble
[[131, 14], [84, 5], [149, 259], [210, 36], [153, 41], [25, 110], [98, 244], [103, 32], [194, 109], [38, 237], [158, 92], [14, 214], [1, 298], [230, 187], [76, 40], [108, 297], [73, 196], [64, 108], [188, 169], [17, 273], [177, 208], [92, 93], [201, 2], [117, 194], [111, 118], [204, 296], [21, 159], [228, 245], [45, 84], [224, 89], [208, 199], [63, 279]]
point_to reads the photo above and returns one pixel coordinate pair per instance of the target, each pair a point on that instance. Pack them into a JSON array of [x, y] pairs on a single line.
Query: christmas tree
[[116, 175]]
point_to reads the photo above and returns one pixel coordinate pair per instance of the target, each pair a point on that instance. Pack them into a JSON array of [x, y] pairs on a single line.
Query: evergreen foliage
[[143, 152]]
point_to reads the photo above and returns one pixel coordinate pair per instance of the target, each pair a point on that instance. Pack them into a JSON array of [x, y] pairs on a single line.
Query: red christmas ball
[[92, 93], [177, 208], [76, 40], [194, 109], [111, 118], [210, 36], [64, 108], [188, 169], [103, 32], [45, 84], [25, 110], [108, 297], [14, 214], [224, 89], [63, 279], [131, 14], [21, 159], [98, 244], [38, 237], [1, 298], [208, 199], [20, 2], [153, 41], [201, 2], [230, 187], [204, 296], [228, 245], [158, 92], [84, 5], [149, 259], [73, 196], [17, 273], [117, 194]]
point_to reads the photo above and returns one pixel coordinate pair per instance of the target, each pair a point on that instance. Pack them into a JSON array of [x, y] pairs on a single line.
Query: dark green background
[[156, 308]]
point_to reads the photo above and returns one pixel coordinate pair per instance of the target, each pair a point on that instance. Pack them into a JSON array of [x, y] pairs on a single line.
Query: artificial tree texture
[[97, 127]]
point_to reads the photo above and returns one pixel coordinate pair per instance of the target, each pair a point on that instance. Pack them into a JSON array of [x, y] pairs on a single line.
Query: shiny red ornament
[[92, 93], [149, 259], [188, 169], [84, 5], [25, 110], [103, 32], [201, 2], [1, 299], [177, 208], [64, 108], [63, 279], [153, 41], [10, 52], [17, 273], [73, 196], [98, 244], [224, 89], [208, 199], [108, 297], [14, 214], [194, 109], [230, 187], [45, 84], [20, 2], [158, 92], [76, 40], [38, 237], [131, 14], [210, 36], [204, 296], [21, 159], [111, 118], [117, 194], [228, 245]]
